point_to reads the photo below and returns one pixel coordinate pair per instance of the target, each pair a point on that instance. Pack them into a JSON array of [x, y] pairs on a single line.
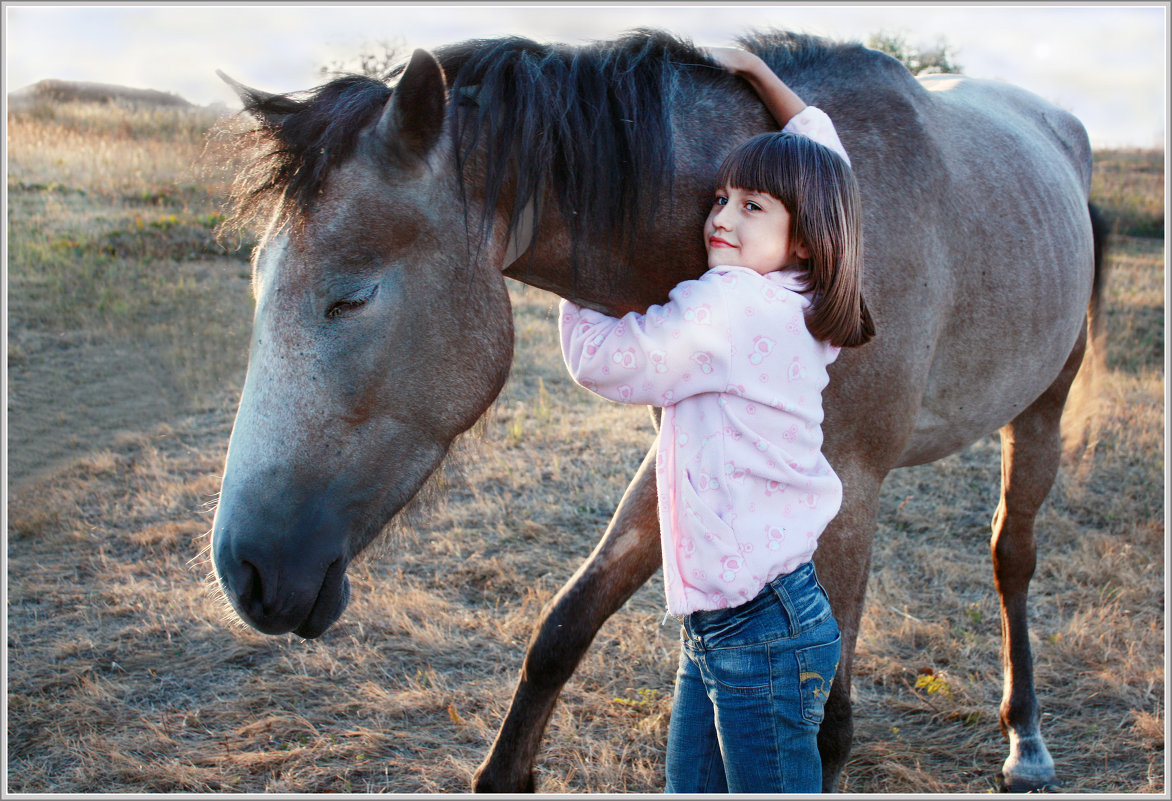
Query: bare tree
[[938, 58], [376, 61]]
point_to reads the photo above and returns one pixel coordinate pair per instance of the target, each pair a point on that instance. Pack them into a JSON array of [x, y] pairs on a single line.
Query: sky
[[1107, 63]]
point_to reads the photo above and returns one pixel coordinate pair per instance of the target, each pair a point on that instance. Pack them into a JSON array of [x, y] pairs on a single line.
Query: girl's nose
[[719, 219]]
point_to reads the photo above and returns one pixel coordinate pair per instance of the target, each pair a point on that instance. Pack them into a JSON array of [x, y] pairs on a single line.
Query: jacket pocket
[[697, 516]]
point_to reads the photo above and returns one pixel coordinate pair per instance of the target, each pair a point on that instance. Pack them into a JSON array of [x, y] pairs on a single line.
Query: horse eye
[[344, 308]]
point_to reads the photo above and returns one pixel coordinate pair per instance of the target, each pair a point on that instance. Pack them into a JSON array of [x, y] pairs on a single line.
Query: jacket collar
[[789, 279]]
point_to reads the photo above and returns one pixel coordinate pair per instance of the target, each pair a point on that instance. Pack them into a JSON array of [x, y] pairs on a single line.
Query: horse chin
[[331, 602]]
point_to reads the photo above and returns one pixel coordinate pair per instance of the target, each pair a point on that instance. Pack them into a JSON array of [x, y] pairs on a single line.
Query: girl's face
[[750, 229]]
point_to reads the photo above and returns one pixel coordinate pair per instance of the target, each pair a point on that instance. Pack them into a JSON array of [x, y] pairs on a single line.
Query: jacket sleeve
[[679, 349], [815, 123]]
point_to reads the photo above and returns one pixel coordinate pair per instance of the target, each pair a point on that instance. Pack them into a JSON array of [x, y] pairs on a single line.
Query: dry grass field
[[126, 674]]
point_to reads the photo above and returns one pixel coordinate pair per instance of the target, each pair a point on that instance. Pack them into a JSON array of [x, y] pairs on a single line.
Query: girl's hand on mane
[[783, 103], [734, 59]]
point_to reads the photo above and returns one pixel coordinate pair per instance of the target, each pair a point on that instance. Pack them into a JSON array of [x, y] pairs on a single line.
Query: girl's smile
[[750, 229]]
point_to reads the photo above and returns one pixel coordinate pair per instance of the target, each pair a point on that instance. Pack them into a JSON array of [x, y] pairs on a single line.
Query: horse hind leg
[[1031, 449], [843, 560]]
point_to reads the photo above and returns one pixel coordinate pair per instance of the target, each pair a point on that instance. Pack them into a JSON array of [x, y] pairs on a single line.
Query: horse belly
[[984, 379]]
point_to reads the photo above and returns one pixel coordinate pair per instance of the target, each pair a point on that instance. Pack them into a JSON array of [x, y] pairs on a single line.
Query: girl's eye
[[721, 200], [751, 206]]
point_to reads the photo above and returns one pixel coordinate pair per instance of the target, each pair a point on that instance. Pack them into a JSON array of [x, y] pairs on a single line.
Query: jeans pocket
[[817, 665], [757, 621], [742, 671]]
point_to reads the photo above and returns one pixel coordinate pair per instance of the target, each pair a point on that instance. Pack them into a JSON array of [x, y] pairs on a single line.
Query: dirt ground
[[128, 676], [69, 395]]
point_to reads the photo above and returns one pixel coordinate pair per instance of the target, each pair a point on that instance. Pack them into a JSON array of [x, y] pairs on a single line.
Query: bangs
[[789, 166], [761, 165]]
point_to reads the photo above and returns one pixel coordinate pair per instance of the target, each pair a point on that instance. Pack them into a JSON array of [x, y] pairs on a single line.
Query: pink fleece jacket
[[744, 490]]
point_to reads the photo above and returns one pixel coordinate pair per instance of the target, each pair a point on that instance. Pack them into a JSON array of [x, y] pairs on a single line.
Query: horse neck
[[710, 113], [614, 278]]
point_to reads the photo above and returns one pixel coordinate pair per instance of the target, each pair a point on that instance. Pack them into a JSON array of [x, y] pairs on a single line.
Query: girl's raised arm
[[783, 103]]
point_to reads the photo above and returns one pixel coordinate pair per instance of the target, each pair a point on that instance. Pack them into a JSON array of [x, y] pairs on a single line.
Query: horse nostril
[[251, 591]]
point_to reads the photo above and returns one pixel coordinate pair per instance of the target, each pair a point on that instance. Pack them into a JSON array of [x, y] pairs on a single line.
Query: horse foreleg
[[1030, 452], [625, 558]]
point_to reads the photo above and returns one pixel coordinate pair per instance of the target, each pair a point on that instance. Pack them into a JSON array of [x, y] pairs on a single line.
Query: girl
[[737, 359]]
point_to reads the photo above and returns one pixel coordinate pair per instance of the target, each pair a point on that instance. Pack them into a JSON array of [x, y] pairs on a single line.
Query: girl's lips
[[717, 242]]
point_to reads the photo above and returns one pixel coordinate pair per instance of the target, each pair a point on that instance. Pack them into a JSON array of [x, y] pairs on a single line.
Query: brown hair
[[821, 195]]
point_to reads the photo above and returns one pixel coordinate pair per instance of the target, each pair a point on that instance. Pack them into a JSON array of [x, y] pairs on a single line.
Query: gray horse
[[383, 327]]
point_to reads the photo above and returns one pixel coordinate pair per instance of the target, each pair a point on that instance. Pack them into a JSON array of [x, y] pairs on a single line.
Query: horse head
[[382, 331], [383, 326]]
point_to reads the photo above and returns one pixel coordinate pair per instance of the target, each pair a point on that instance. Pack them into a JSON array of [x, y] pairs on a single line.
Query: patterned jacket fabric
[[744, 490]]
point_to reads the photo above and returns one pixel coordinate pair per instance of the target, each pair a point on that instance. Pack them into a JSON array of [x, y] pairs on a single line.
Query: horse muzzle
[[292, 579]]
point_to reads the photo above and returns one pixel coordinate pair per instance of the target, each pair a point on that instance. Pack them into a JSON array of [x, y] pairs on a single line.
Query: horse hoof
[[1029, 768], [1021, 786], [484, 781]]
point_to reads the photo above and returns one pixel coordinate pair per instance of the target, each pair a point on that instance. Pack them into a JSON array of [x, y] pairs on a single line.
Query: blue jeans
[[750, 692]]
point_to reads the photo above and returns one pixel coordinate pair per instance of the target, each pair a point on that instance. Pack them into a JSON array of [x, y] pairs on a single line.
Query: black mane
[[594, 120], [792, 54]]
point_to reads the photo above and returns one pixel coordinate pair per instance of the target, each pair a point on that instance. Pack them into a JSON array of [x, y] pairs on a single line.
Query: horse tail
[[1080, 423], [1099, 231]]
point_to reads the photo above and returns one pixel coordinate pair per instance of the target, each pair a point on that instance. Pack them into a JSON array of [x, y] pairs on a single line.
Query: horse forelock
[[298, 140]]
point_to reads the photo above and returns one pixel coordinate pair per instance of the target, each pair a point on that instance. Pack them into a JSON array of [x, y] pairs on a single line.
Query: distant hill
[[57, 91]]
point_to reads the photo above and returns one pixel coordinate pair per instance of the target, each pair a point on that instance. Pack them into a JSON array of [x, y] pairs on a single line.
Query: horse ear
[[265, 106], [414, 116]]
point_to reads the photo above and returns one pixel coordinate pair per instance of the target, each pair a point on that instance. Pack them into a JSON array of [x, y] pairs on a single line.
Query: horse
[[391, 212]]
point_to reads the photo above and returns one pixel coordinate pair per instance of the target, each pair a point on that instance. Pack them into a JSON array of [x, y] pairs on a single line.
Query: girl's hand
[[735, 60], [783, 103]]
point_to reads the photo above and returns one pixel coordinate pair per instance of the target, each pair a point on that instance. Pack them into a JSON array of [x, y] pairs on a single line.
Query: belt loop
[[782, 592]]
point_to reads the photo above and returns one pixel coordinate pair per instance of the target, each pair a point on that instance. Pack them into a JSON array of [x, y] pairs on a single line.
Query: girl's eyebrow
[[759, 194]]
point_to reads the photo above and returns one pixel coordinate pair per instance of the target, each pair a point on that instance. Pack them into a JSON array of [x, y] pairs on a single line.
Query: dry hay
[[126, 675]]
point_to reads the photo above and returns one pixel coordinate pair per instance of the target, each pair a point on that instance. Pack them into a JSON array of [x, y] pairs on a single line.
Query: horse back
[[979, 260], [1022, 125]]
